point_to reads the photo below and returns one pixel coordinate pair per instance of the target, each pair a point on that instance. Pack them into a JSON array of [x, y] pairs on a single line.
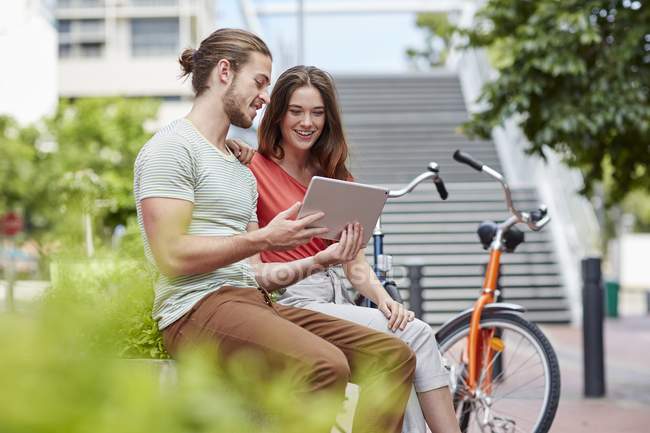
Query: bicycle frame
[[478, 342], [382, 263]]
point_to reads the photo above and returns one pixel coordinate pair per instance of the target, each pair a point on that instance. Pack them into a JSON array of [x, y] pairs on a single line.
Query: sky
[[338, 43]]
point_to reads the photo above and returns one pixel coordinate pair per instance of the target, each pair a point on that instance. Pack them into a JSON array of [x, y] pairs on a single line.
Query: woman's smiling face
[[304, 119]]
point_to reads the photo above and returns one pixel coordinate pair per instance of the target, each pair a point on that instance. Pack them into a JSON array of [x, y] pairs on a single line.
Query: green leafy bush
[[63, 366], [115, 285]]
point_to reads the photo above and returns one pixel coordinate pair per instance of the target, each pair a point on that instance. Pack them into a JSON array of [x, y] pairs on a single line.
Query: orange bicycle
[[504, 372]]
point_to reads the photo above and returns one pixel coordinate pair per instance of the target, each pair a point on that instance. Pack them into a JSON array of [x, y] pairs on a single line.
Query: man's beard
[[232, 107]]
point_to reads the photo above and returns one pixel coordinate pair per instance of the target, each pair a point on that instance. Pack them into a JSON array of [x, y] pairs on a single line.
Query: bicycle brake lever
[[538, 214], [538, 225]]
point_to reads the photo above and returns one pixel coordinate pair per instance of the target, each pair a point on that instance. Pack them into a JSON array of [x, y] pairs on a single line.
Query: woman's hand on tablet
[[284, 232], [345, 250], [241, 150]]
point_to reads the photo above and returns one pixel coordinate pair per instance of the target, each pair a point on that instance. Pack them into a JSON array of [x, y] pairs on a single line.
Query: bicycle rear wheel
[[519, 378]]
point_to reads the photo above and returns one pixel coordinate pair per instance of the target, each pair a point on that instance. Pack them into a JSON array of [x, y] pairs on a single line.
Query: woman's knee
[[422, 328], [420, 333]]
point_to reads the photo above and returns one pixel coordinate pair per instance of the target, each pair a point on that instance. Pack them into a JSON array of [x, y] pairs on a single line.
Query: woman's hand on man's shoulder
[[241, 150]]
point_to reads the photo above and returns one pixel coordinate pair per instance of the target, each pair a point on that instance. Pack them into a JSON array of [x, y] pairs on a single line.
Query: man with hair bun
[[196, 205]]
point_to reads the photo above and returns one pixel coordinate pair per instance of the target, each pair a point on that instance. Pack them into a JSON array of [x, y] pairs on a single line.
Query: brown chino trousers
[[324, 352]]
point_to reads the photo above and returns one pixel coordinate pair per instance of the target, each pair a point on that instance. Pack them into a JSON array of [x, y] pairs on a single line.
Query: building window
[[81, 50], [154, 36], [91, 49], [90, 26], [65, 50], [79, 3], [63, 26], [81, 28], [81, 38], [153, 2]]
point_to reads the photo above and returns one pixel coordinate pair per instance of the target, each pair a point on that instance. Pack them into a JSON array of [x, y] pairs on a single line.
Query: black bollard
[[592, 328], [415, 290]]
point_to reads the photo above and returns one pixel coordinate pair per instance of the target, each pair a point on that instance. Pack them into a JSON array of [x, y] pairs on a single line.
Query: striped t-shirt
[[178, 162]]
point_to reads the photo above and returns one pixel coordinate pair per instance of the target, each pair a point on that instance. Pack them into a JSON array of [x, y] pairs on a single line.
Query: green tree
[[18, 164], [79, 160], [99, 138], [576, 76], [438, 33]]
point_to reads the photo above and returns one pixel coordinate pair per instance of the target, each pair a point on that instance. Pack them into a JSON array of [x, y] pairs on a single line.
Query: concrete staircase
[[396, 124]]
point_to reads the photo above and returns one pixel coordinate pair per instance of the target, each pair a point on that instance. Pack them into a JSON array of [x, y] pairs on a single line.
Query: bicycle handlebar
[[535, 220], [440, 186], [431, 173], [464, 158]]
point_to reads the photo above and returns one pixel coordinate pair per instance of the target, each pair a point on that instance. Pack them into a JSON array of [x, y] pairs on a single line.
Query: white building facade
[[28, 43], [129, 47]]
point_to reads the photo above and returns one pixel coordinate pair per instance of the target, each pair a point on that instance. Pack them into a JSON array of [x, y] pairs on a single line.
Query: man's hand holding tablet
[[286, 226], [285, 232]]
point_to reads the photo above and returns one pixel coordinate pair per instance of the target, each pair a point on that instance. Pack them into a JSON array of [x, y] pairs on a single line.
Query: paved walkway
[[626, 406]]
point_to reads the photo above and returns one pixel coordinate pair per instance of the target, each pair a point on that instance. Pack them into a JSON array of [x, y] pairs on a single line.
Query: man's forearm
[[274, 276], [199, 254]]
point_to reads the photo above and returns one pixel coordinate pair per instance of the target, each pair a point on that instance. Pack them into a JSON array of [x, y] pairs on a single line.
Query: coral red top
[[277, 191]]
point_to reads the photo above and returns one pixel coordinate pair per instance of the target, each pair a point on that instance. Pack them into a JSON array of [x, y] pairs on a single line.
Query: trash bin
[[611, 298]]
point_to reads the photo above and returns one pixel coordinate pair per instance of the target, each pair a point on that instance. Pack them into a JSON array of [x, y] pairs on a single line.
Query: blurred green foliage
[[118, 284], [637, 203], [576, 76], [64, 365], [72, 361], [438, 32], [78, 160]]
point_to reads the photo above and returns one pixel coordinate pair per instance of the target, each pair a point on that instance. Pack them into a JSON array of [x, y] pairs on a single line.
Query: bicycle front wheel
[[518, 388]]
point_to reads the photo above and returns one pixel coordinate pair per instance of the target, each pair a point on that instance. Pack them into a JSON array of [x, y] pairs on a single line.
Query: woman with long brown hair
[[301, 136]]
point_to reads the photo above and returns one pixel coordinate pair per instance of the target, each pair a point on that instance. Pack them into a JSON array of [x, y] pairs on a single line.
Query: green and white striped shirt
[[178, 162]]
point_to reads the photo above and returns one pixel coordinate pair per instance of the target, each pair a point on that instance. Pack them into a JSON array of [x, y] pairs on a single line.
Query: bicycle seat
[[486, 231], [511, 239]]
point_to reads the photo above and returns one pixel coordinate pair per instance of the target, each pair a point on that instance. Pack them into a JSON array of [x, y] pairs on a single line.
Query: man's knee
[[402, 357], [330, 369]]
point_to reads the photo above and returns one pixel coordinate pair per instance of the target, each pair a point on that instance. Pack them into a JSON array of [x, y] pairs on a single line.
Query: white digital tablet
[[343, 203]]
